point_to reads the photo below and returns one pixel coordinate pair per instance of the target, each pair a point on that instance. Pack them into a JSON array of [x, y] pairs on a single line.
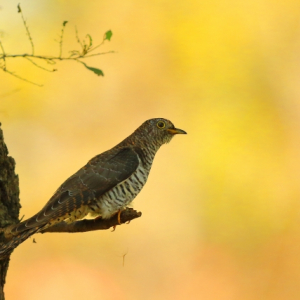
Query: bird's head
[[160, 130]]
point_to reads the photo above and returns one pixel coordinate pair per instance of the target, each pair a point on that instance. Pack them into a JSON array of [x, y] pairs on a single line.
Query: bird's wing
[[99, 175]]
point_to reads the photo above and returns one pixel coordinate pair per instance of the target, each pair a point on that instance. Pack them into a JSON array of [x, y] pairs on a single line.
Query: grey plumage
[[104, 186]]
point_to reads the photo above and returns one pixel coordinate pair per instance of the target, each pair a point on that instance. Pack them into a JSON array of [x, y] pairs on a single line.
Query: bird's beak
[[176, 131]]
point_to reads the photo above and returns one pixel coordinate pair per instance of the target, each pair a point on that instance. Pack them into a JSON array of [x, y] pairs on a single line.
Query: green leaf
[[65, 23], [108, 35], [95, 70], [19, 8], [91, 40]]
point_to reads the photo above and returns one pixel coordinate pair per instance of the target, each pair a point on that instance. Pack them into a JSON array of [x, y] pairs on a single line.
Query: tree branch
[[10, 241], [86, 50], [95, 224], [52, 58]]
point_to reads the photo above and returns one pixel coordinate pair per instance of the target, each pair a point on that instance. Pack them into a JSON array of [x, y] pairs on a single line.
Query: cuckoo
[[104, 186]]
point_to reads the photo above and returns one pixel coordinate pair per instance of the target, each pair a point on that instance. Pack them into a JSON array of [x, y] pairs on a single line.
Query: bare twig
[[61, 37], [97, 54], [92, 49], [4, 55], [77, 38], [24, 79], [26, 27], [34, 63]]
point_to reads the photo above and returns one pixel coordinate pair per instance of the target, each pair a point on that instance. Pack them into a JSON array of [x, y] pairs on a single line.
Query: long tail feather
[[6, 249]]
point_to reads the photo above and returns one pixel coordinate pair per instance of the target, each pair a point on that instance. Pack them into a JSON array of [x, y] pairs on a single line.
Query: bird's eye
[[161, 124]]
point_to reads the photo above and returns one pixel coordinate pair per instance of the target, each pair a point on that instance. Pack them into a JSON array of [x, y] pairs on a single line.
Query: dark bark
[[9, 201]]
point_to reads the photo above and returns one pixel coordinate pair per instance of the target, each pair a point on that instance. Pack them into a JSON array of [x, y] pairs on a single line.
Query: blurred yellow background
[[221, 206]]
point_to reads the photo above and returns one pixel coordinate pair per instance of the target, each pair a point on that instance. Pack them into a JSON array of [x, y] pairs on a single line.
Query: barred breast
[[121, 195]]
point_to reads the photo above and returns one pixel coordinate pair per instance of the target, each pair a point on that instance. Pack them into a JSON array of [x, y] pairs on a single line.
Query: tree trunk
[[9, 201]]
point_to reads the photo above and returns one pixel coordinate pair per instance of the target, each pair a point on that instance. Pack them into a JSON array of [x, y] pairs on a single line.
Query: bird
[[105, 186]]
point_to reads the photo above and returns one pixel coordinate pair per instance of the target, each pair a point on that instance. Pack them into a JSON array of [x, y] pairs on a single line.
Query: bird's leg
[[119, 216], [119, 219]]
